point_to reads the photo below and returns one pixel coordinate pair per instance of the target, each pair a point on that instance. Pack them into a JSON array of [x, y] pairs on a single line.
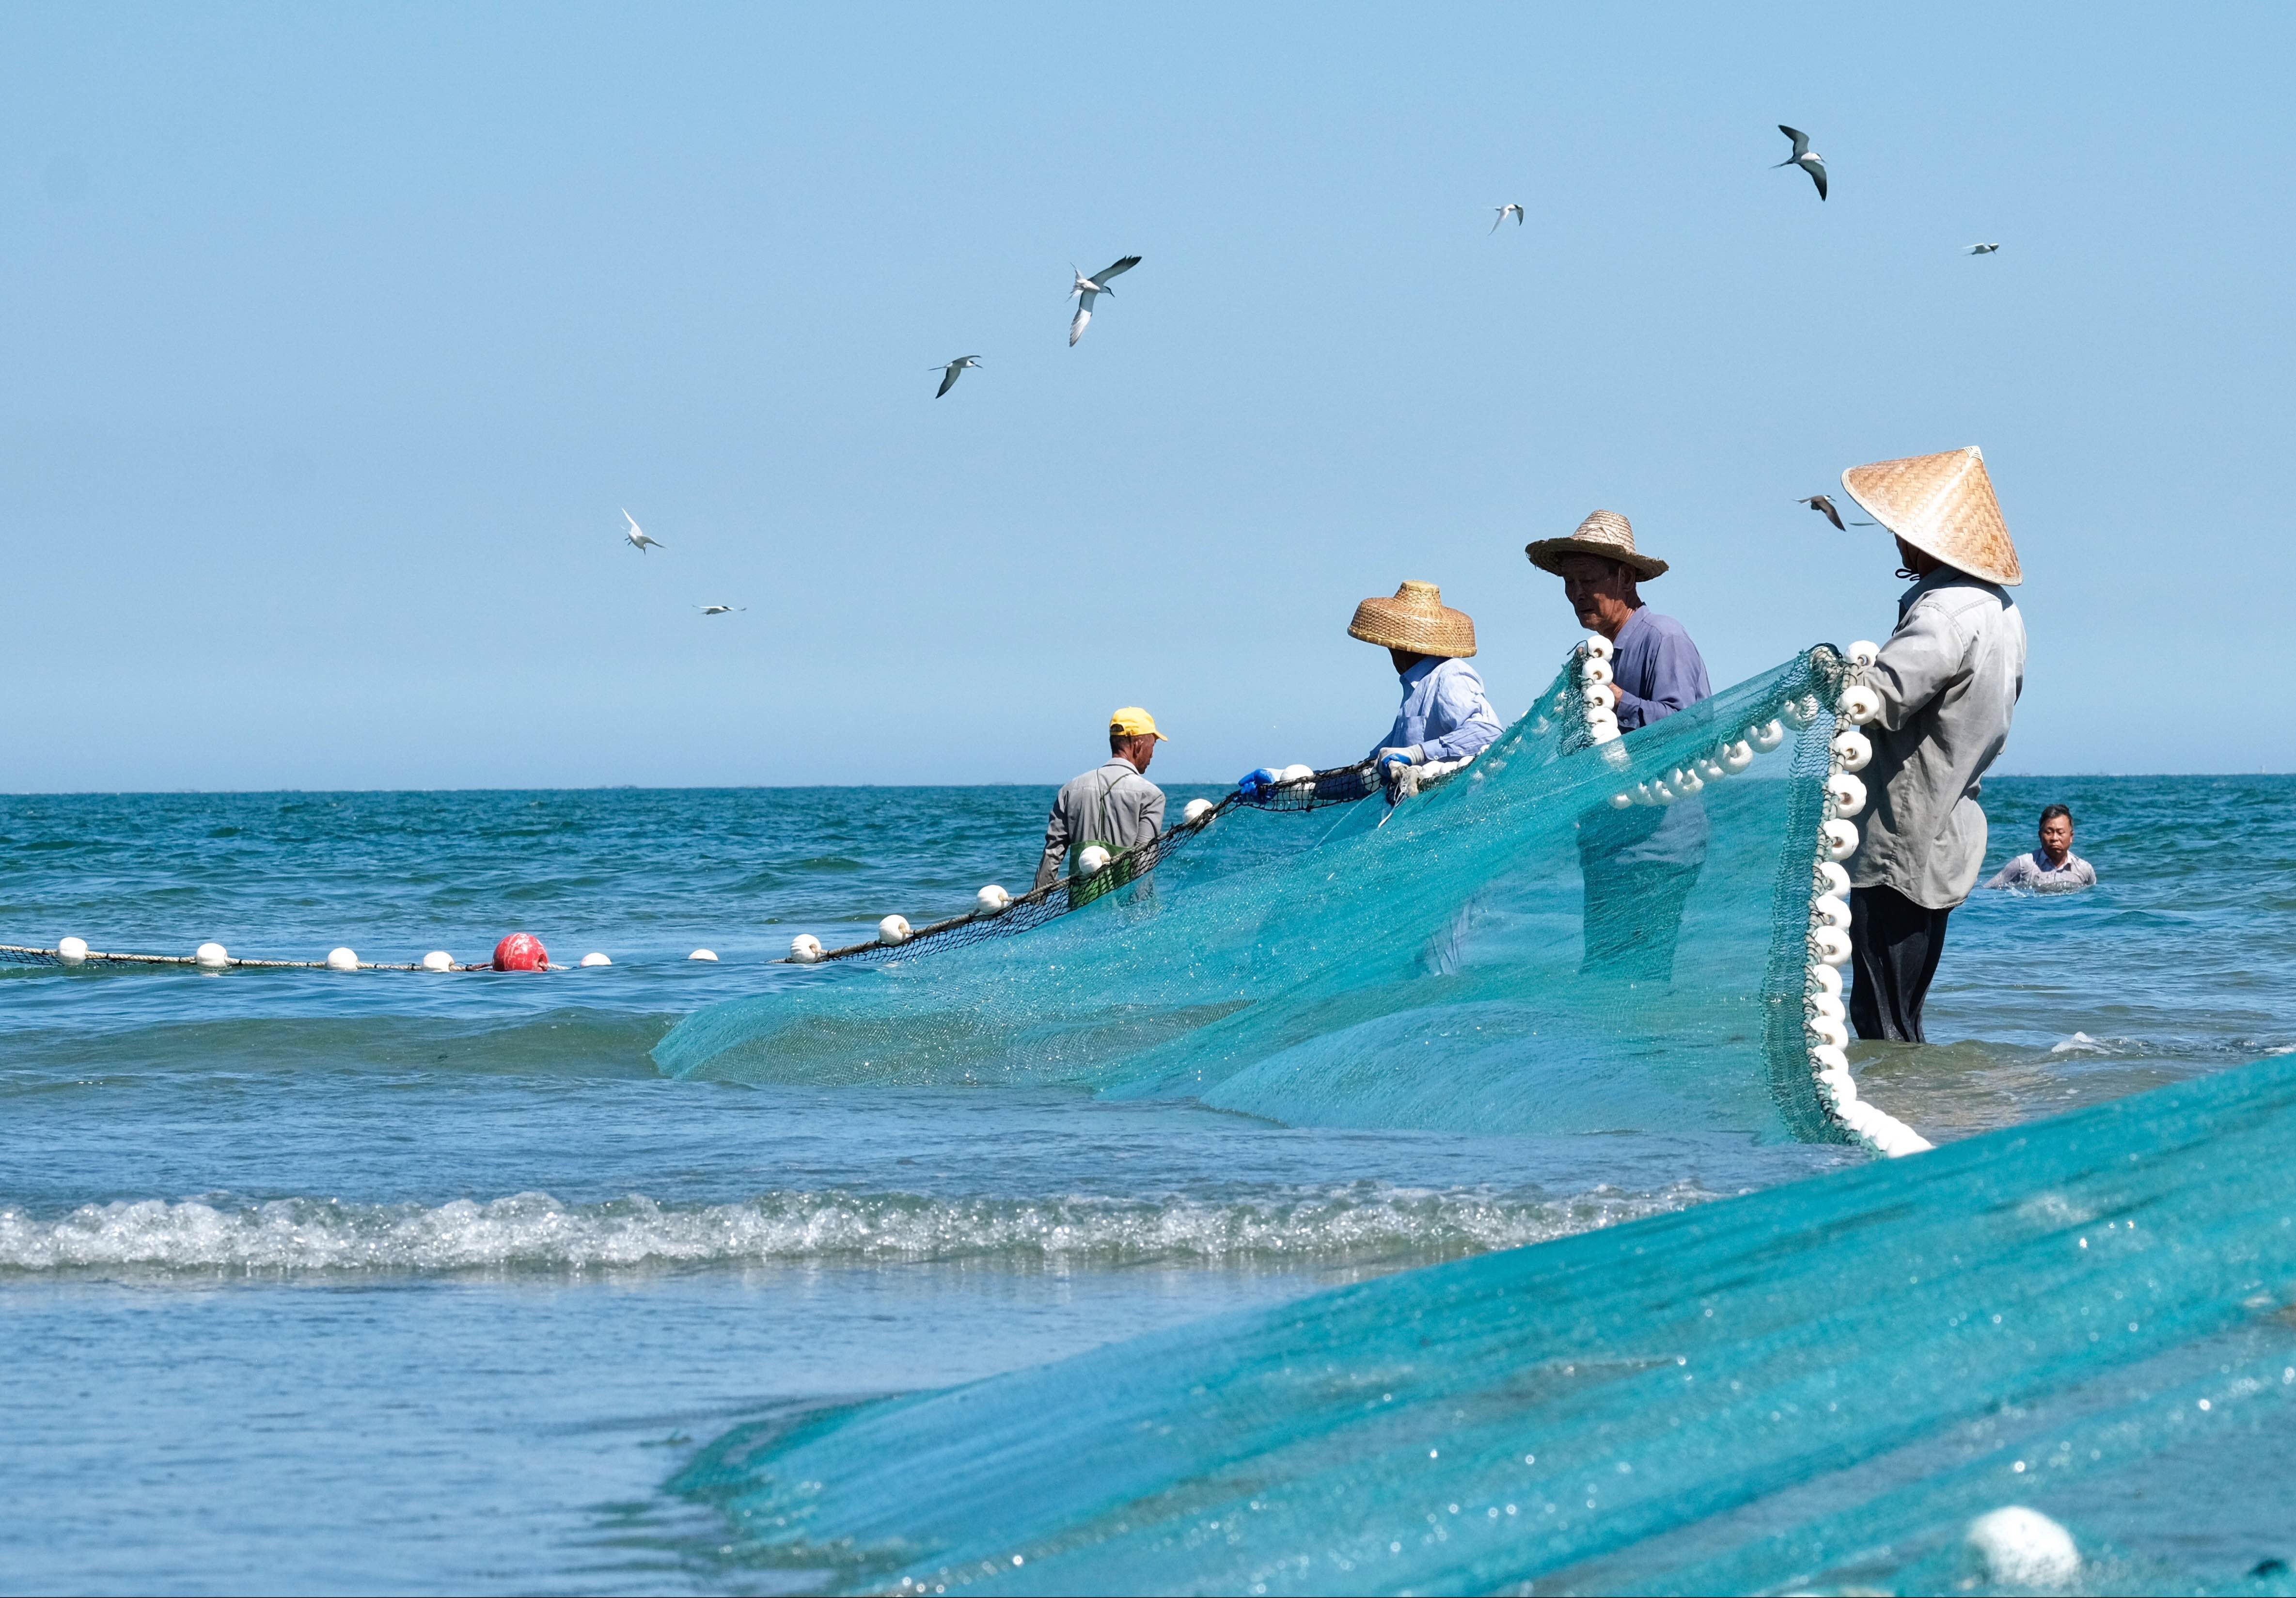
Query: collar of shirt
[[1634, 623], [1122, 765], [1421, 672]]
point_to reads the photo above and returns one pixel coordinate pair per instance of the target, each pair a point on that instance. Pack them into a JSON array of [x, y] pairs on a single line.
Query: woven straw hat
[[1943, 506], [1417, 619], [1605, 533]]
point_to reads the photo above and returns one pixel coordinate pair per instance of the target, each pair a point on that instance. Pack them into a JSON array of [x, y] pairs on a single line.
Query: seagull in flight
[[1088, 289], [953, 371], [1809, 160], [638, 538], [1504, 210], [1823, 504], [721, 610], [1981, 249]]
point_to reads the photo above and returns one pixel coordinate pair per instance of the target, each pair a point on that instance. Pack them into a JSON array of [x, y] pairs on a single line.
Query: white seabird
[[1504, 211], [1980, 249], [953, 371], [1809, 160], [638, 538], [1088, 289], [720, 609]]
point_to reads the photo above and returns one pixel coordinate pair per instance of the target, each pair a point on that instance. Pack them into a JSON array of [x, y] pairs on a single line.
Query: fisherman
[[2054, 867], [1445, 717], [1639, 866], [1949, 678], [1115, 805]]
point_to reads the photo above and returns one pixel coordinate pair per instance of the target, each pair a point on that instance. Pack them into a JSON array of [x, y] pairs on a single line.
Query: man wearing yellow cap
[[1949, 678], [1115, 805]]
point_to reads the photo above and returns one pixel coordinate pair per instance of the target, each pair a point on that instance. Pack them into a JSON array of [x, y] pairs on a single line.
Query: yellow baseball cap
[[1134, 722]]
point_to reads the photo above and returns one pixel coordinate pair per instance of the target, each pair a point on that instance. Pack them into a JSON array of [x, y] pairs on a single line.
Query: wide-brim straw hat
[[1943, 506], [1417, 619], [1605, 533]]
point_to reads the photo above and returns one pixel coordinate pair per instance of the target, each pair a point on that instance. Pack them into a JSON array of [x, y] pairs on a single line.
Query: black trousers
[[1894, 945]]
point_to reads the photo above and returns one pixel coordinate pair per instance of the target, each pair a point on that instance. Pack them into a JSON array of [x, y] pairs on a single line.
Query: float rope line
[[17, 954], [1335, 785]]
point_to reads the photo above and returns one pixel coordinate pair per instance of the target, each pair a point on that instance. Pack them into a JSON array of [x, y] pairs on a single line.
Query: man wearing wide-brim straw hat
[[1948, 679], [1640, 865], [1446, 716]]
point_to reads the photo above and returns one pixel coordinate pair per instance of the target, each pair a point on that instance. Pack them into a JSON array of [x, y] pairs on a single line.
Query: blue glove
[[1258, 783]]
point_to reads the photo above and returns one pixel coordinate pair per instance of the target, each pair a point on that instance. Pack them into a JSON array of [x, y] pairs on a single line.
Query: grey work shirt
[[1948, 677], [2034, 871], [1113, 806]]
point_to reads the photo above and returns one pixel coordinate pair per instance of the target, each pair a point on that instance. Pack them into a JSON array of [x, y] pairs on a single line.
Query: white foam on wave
[[532, 1230]]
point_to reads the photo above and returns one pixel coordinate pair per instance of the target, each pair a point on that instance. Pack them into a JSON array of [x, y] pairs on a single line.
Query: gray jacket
[[1949, 677], [1114, 806]]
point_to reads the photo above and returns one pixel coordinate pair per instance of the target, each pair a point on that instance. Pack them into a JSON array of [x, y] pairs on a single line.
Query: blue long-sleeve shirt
[[1655, 669], [1445, 713]]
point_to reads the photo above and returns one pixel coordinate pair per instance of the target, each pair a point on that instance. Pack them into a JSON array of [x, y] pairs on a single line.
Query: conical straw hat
[[1417, 619], [1943, 506], [1605, 533]]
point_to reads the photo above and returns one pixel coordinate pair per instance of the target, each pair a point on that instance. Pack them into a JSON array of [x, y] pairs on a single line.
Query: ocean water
[[408, 1282]]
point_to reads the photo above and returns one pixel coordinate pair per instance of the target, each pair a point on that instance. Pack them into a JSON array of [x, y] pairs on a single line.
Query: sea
[[403, 1282]]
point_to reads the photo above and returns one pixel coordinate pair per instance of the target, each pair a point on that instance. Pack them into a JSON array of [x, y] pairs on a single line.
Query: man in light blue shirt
[[1445, 716]]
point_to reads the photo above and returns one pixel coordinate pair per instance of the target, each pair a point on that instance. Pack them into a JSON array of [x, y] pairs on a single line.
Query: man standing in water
[[1949, 678], [1114, 805], [1640, 865], [2054, 867]]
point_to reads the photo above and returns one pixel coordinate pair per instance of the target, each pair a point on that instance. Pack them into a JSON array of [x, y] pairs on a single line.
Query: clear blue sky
[[332, 339]]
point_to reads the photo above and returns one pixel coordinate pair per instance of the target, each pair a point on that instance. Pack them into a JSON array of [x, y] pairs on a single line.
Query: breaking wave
[[535, 1231]]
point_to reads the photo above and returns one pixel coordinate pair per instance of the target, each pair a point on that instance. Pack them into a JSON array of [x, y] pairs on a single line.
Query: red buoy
[[521, 951]]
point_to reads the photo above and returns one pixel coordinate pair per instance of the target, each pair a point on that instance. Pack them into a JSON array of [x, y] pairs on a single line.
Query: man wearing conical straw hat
[[1948, 679], [1445, 715], [1639, 866]]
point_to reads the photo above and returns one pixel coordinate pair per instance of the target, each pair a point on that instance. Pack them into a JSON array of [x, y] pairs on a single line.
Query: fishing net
[[1819, 1387], [1526, 946]]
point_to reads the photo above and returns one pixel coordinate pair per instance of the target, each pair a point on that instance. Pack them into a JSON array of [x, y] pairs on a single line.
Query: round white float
[[1830, 909], [993, 899], [71, 951], [895, 928], [1295, 773], [1093, 860], [438, 960], [1765, 736], [1841, 839], [1595, 670], [1826, 1029], [1847, 792], [214, 957], [805, 948], [1622, 801], [1830, 945], [1858, 705], [1195, 810], [1828, 979], [595, 958], [342, 960], [1865, 653], [1597, 647], [2022, 1547], [1852, 750], [708, 955], [1832, 879], [1827, 1058]]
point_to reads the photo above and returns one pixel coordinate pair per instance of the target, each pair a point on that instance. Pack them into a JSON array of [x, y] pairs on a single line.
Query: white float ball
[[595, 958], [1827, 979], [1597, 647], [708, 955], [71, 951], [1599, 697], [2022, 1547], [1865, 653], [212, 954], [895, 929], [1093, 860], [342, 960], [1832, 879], [1660, 794], [1827, 1029], [993, 901], [1295, 773], [1841, 839], [1765, 736], [1622, 801], [438, 960], [1828, 1003], [1830, 909], [1595, 670], [1828, 1057], [805, 948], [1847, 792], [1838, 1086], [1852, 750], [1830, 945], [1858, 705], [1737, 756]]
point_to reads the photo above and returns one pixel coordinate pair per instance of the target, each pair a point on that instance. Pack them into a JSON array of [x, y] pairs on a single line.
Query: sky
[[334, 341]]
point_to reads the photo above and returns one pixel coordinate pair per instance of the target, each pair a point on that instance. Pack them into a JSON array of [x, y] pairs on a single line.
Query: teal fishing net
[[1818, 1387], [1524, 947]]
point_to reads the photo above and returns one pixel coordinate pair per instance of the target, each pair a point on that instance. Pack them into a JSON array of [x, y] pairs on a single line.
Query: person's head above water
[[2056, 833], [1414, 625], [1601, 571], [1132, 735]]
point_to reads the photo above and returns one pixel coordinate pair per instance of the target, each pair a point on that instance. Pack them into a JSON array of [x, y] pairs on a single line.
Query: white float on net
[[1765, 736], [213, 957], [1859, 704], [340, 959], [1864, 653], [595, 958], [1737, 756], [1852, 750], [895, 928], [1827, 979], [1830, 945], [1196, 811], [438, 960], [994, 900], [1832, 878], [2022, 1547], [1847, 792], [1831, 910], [1841, 839], [71, 951], [1094, 860], [805, 948], [1598, 647], [1295, 773]]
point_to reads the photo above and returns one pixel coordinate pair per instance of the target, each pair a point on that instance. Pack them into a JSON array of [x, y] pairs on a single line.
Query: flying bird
[[1809, 160], [1823, 504], [639, 538], [1088, 289], [1981, 249], [1504, 210], [721, 610], [953, 371]]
